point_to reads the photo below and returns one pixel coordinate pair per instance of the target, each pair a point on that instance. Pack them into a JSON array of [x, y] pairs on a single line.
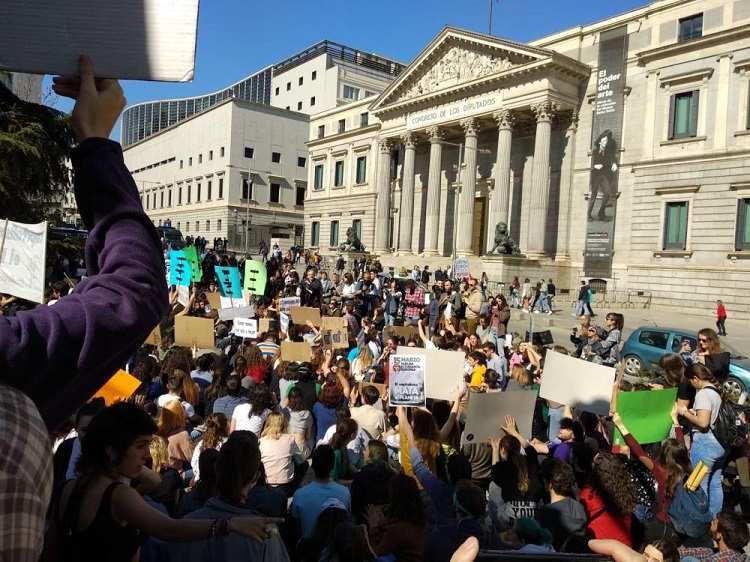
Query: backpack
[[689, 511], [728, 429]]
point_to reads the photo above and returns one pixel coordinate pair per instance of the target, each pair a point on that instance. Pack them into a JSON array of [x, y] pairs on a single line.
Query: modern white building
[[480, 130], [236, 170]]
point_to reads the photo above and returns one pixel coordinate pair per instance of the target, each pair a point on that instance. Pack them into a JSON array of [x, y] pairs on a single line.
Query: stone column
[[567, 180], [407, 192], [432, 214], [383, 210], [539, 202], [468, 188], [500, 202]]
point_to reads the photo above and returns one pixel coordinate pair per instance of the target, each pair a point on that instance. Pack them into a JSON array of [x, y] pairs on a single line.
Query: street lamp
[[251, 173], [461, 147]]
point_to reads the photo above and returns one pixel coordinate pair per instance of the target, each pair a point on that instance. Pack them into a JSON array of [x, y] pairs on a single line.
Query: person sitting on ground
[[226, 404], [563, 516], [528, 536], [730, 532], [252, 415], [171, 428], [570, 432], [199, 494], [167, 493], [346, 432], [368, 416], [370, 483], [281, 453], [217, 432]]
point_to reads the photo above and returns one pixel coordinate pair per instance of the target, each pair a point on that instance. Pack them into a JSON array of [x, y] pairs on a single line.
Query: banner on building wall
[[606, 135]]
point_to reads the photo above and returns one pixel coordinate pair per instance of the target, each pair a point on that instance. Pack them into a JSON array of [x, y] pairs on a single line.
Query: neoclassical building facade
[[479, 131]]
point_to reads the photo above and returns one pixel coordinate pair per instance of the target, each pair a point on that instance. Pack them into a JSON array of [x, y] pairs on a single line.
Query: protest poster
[[195, 265], [255, 277], [229, 302], [190, 331], [183, 294], [120, 387], [461, 269], [230, 313], [286, 304], [444, 370], [179, 268], [295, 351], [382, 389], [154, 40], [264, 325], [646, 414], [245, 328], [301, 315], [23, 250], [406, 383], [575, 382], [487, 411], [154, 338], [406, 332], [229, 282], [284, 322], [214, 299], [334, 332]]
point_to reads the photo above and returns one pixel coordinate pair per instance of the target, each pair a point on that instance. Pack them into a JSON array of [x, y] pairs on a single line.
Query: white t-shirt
[[245, 422], [187, 406], [707, 399], [355, 447]]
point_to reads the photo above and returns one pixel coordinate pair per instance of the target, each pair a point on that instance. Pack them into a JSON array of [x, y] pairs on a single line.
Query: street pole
[[455, 200], [247, 209]]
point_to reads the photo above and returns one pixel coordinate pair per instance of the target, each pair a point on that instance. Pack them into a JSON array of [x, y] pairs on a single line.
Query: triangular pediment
[[454, 58]]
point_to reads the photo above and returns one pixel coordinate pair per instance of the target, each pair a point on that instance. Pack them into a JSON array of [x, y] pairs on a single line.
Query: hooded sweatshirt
[[370, 487], [447, 536]]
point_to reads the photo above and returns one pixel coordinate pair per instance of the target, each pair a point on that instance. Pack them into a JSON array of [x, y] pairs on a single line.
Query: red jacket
[[603, 524]]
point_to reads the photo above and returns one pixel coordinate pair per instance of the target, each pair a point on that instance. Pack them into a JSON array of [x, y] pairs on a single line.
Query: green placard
[[255, 277], [646, 414], [195, 265]]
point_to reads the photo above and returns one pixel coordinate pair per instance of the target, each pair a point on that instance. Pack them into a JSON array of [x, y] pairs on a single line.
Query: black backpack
[[728, 428]]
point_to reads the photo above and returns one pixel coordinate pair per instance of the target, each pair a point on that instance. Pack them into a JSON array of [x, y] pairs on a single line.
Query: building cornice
[[340, 137], [675, 49]]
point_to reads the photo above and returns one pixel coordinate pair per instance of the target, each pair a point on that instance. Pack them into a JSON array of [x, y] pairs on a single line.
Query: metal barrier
[[622, 299]]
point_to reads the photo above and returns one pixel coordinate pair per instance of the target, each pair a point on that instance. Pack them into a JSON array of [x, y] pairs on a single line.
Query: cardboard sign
[[444, 372], [406, 383], [302, 314], [214, 299], [195, 265], [256, 277], [237, 312], [23, 250], [461, 269], [295, 351], [335, 339], [487, 411], [646, 414], [229, 282], [264, 325], [120, 387], [406, 332], [245, 328], [180, 272], [332, 323], [575, 382], [147, 39], [286, 304], [382, 389], [194, 332], [154, 338]]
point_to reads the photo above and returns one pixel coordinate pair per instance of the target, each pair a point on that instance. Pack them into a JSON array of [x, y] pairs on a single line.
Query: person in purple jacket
[[54, 358]]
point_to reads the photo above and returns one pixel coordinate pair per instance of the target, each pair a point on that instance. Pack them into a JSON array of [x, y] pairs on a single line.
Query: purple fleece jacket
[[61, 355]]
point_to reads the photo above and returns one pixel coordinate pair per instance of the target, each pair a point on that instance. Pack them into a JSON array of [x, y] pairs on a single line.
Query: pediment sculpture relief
[[457, 66]]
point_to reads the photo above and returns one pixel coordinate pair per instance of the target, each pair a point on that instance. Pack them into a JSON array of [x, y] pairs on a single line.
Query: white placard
[[23, 251], [444, 370], [487, 411], [575, 382], [245, 328], [126, 39], [406, 383], [237, 312], [227, 302], [284, 322], [286, 304], [183, 294]]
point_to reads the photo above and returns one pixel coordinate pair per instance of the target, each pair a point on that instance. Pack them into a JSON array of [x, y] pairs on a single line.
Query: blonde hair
[[521, 375], [171, 418], [191, 391], [276, 426], [159, 455]]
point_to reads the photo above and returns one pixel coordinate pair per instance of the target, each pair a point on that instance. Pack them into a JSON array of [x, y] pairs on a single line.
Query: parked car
[[647, 344], [171, 238]]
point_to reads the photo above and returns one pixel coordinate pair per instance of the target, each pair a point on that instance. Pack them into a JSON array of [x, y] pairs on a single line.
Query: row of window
[[676, 226], [198, 226], [364, 120], [274, 193], [149, 200], [275, 157], [200, 158], [333, 238], [300, 82], [360, 174], [154, 165], [352, 93]]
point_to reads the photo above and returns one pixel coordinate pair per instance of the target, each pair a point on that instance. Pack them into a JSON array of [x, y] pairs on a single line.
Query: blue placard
[[179, 268], [229, 282]]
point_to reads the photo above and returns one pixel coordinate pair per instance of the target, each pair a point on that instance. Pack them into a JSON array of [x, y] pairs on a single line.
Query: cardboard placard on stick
[[237, 312], [382, 389], [332, 323], [335, 339], [214, 299], [295, 351], [245, 328], [444, 371], [190, 331], [302, 314], [406, 384], [406, 332], [575, 382], [264, 325], [120, 387], [487, 411], [154, 338], [286, 304]]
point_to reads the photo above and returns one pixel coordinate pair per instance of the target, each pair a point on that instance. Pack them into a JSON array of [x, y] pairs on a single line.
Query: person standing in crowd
[[542, 302], [414, 299], [582, 304], [526, 295], [312, 290], [473, 300], [708, 353]]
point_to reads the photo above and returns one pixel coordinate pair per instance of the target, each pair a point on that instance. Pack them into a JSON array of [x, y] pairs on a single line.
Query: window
[[357, 227], [742, 234], [351, 93], [169, 198], [275, 192], [675, 226], [368, 94], [208, 191], [361, 169], [653, 338], [338, 178], [683, 115], [364, 119], [161, 200], [200, 159], [187, 226], [208, 226], [179, 196], [247, 189], [277, 90], [321, 131], [190, 161], [300, 199], [154, 201], [197, 226], [314, 233], [301, 161], [690, 28], [312, 101], [221, 152], [299, 106], [287, 108], [334, 233], [314, 75], [249, 152], [288, 86], [189, 192], [342, 125], [276, 157], [301, 81], [178, 225], [218, 225], [181, 162], [198, 194], [148, 200], [210, 155], [221, 188], [677, 342], [318, 177]]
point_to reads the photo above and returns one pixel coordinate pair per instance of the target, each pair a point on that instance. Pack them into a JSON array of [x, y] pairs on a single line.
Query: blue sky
[[239, 37]]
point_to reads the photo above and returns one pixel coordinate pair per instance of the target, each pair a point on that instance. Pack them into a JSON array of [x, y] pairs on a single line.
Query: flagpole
[[490, 22]]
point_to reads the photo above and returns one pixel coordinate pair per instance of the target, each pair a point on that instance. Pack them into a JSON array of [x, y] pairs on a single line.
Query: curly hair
[[259, 398], [179, 358], [159, 454], [610, 479], [253, 356], [217, 428], [331, 394]]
